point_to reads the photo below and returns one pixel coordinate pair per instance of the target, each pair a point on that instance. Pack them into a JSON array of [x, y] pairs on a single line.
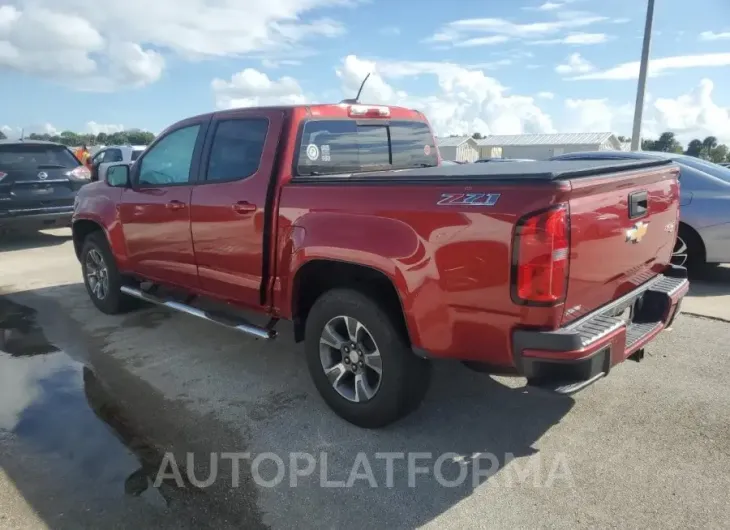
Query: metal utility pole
[[641, 88]]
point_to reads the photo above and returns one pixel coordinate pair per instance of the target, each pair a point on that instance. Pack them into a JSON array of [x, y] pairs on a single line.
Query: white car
[[114, 153]]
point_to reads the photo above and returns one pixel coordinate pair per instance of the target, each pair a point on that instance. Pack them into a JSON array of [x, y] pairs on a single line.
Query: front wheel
[[360, 360], [102, 278]]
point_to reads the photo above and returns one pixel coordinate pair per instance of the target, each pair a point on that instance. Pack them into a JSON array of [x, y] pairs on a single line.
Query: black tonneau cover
[[547, 170]]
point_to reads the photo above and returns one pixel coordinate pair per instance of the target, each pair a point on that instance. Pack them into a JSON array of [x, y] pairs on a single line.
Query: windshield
[[715, 170], [36, 156], [346, 146]]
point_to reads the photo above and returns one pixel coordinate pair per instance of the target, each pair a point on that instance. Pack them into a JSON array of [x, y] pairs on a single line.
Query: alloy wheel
[[97, 274], [680, 254], [350, 359]]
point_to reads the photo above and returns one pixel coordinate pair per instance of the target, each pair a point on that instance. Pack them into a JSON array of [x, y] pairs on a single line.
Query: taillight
[[367, 111], [81, 172], [541, 252]]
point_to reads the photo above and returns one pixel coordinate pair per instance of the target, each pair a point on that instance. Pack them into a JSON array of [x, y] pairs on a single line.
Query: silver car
[[704, 228]]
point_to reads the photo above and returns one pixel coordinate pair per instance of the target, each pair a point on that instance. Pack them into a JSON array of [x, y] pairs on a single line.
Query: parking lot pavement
[[91, 424]]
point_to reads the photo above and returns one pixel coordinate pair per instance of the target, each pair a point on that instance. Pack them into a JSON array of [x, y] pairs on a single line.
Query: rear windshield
[[346, 146], [136, 153], [36, 156]]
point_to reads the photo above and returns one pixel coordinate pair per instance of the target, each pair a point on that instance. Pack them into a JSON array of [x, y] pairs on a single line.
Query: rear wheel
[[102, 278], [360, 360], [689, 250]]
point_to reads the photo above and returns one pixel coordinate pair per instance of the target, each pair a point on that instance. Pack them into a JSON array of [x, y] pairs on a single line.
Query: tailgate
[[24, 190], [623, 228]]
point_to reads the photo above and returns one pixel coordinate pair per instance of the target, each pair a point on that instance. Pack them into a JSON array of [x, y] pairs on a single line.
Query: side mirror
[[117, 176]]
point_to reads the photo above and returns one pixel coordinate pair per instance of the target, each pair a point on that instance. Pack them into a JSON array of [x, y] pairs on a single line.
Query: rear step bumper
[[571, 358]]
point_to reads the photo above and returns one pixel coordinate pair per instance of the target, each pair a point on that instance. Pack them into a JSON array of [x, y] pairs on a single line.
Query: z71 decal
[[468, 199]]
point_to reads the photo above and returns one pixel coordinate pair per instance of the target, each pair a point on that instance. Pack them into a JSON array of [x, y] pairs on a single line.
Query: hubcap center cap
[[354, 357]]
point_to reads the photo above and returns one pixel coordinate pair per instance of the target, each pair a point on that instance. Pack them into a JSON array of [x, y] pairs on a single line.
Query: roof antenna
[[357, 98]]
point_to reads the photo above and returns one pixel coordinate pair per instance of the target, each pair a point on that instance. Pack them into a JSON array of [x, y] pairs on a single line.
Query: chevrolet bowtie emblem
[[637, 232]]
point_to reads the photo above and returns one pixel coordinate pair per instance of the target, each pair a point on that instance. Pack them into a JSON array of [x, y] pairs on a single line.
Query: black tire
[[114, 301], [693, 248], [405, 377]]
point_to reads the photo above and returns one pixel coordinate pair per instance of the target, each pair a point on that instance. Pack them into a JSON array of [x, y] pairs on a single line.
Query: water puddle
[[76, 455], [54, 411]]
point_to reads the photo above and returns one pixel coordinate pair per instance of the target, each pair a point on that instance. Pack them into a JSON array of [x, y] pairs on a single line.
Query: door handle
[[244, 207], [175, 205]]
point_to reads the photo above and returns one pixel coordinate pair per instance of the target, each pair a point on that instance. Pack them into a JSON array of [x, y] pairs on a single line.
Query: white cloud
[[251, 88], [96, 128], [545, 95], [575, 65], [465, 100], [482, 41], [465, 29], [548, 6], [124, 44], [275, 63], [576, 39], [658, 66], [693, 115], [711, 35], [596, 115]]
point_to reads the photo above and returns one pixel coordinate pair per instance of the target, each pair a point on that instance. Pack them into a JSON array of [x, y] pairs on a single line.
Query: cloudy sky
[[493, 66]]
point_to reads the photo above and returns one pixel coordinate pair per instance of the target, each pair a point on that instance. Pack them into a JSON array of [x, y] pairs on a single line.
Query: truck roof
[[547, 170], [396, 111]]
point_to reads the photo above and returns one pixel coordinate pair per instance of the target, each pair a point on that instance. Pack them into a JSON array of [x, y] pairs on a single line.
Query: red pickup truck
[[341, 219]]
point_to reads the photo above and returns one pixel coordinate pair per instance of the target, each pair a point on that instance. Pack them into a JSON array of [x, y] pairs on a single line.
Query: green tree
[[666, 143], [708, 144], [118, 138], [477, 136], [102, 138], [137, 137], [719, 153], [624, 139], [694, 148]]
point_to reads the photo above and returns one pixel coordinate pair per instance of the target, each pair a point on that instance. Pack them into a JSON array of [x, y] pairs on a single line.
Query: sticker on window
[[326, 157], [312, 152], [426, 150]]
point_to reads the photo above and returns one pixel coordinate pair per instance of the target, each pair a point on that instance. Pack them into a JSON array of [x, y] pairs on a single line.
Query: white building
[[544, 146], [458, 148]]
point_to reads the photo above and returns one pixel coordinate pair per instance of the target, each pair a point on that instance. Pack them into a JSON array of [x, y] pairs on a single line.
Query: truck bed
[[529, 172]]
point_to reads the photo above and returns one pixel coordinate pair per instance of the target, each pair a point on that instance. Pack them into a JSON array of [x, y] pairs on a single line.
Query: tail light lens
[[540, 265], [81, 172]]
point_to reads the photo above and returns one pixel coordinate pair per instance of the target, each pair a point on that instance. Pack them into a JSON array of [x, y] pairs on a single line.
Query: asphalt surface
[[90, 405]]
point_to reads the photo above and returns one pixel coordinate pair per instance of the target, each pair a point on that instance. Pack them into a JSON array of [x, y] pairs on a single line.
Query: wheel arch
[[317, 276], [81, 229]]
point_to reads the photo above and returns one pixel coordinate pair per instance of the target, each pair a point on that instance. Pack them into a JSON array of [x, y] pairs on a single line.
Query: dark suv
[[38, 184]]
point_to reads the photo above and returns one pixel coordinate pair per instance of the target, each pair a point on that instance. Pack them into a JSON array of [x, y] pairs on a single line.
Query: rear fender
[[386, 245]]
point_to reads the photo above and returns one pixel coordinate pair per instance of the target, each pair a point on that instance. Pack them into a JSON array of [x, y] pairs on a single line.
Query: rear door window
[[236, 149], [346, 146], [36, 157]]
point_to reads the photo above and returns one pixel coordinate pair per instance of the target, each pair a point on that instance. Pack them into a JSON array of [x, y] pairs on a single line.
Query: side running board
[[238, 325]]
